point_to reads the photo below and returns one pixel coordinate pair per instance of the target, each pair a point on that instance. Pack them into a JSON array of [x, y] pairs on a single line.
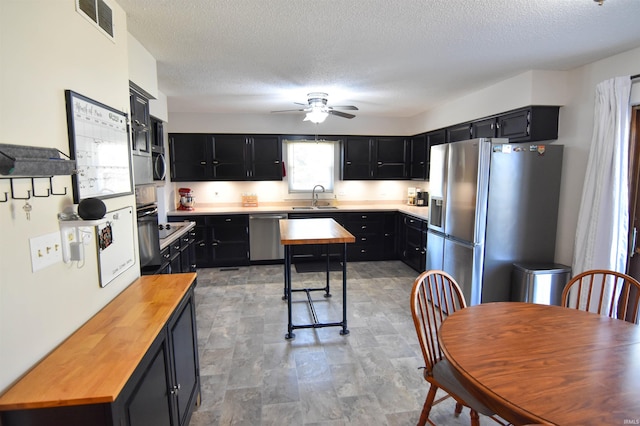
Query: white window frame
[[322, 169]]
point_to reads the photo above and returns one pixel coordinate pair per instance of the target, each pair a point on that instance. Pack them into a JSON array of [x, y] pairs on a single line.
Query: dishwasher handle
[[268, 216]]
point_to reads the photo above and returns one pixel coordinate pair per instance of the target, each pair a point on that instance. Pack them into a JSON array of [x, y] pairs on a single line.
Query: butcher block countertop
[[94, 363], [303, 207], [313, 231]]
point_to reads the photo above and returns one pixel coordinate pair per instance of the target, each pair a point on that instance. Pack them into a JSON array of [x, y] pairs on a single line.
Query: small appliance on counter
[[411, 196], [422, 198], [187, 199]]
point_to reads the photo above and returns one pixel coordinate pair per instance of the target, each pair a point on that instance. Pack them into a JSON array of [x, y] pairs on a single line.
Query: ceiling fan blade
[[291, 110], [340, 113], [347, 107]]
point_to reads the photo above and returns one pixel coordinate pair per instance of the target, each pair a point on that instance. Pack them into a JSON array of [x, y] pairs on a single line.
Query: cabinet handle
[[203, 163], [379, 163], [276, 162], [363, 251], [228, 219], [363, 227], [201, 245], [363, 239], [348, 163], [364, 216], [177, 246], [166, 256], [174, 390]]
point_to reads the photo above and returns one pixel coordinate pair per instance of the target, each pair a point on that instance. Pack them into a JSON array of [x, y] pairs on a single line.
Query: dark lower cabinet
[[413, 241], [183, 347], [375, 235], [219, 240], [149, 403]]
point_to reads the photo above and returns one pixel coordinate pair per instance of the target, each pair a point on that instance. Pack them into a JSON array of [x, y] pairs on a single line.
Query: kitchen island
[[313, 231]]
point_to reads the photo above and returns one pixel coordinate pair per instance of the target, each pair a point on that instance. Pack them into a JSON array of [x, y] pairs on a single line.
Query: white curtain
[[603, 219]]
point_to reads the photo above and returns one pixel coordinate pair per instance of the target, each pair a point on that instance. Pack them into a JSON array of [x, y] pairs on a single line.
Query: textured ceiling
[[394, 58]]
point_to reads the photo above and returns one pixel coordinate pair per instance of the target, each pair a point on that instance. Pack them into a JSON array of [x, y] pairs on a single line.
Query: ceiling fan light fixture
[[316, 115]]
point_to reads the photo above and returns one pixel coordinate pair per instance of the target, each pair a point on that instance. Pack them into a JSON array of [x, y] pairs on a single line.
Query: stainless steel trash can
[[539, 282]]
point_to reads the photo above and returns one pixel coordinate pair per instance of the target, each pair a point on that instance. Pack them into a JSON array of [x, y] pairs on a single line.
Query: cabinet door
[[157, 135], [531, 124], [484, 128], [184, 351], [390, 158], [140, 124], [191, 156], [460, 132], [390, 236], [230, 240], [149, 403], [413, 252], [229, 157], [356, 158], [418, 157], [515, 125], [266, 158]]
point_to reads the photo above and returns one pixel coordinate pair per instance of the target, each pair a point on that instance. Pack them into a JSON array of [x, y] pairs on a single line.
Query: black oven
[[148, 236]]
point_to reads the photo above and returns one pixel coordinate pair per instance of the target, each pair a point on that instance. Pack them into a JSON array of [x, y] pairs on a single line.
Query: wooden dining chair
[[585, 289], [434, 296]]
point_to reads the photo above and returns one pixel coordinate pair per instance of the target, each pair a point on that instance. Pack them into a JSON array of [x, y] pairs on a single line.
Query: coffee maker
[[187, 199]]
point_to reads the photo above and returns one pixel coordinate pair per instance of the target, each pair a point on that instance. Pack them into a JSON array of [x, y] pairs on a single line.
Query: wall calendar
[[99, 142]]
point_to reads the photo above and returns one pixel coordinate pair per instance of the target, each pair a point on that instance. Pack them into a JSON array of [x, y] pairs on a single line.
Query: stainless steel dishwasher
[[264, 237]]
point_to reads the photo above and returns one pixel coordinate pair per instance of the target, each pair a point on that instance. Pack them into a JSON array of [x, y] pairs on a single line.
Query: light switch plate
[[45, 251]]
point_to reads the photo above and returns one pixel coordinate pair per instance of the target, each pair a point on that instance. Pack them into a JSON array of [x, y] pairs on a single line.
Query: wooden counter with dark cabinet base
[[135, 363]]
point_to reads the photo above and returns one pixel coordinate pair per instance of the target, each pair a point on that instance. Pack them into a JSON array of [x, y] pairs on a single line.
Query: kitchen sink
[[314, 207]]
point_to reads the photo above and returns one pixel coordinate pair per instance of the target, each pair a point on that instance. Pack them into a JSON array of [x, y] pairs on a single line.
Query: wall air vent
[[98, 12]]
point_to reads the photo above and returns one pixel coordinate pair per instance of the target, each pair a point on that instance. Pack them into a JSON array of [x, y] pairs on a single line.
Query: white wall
[[576, 129], [48, 47]]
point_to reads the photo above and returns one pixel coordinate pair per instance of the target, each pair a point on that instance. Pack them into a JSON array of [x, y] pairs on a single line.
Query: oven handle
[[147, 212]]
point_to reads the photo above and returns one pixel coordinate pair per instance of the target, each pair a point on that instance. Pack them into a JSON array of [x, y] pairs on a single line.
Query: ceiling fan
[[317, 109]]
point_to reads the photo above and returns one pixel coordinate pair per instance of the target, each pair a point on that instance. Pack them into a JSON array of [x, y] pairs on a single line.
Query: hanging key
[[27, 209]]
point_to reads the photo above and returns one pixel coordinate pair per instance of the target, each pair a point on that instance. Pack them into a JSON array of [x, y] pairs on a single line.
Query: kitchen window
[[310, 163]]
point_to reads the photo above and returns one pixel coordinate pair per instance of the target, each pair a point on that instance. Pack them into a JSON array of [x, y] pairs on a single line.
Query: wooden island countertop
[[93, 364], [313, 231]]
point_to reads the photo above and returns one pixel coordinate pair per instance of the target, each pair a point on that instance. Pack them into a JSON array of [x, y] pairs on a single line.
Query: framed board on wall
[[99, 142]]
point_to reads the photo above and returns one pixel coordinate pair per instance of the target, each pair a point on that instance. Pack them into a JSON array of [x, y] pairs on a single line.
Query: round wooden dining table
[[534, 363]]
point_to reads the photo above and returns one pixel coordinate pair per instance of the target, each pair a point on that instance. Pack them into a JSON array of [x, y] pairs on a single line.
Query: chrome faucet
[[314, 196]]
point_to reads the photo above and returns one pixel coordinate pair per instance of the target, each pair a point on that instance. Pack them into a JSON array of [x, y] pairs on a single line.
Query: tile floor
[[252, 375]]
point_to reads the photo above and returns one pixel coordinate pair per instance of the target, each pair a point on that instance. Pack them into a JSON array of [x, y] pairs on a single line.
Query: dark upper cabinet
[[418, 157], [265, 154], [459, 132], [157, 135], [191, 156], [535, 123], [530, 124], [229, 157], [486, 128], [356, 158], [391, 155], [140, 123], [199, 156], [374, 158]]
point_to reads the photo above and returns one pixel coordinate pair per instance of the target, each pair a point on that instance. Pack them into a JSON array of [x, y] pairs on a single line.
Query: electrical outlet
[[45, 251]]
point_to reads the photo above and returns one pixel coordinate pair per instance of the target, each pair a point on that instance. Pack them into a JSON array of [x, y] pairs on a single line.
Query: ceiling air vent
[[98, 12]]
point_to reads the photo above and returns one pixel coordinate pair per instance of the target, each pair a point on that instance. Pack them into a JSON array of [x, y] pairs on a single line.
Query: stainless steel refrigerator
[[491, 203]]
